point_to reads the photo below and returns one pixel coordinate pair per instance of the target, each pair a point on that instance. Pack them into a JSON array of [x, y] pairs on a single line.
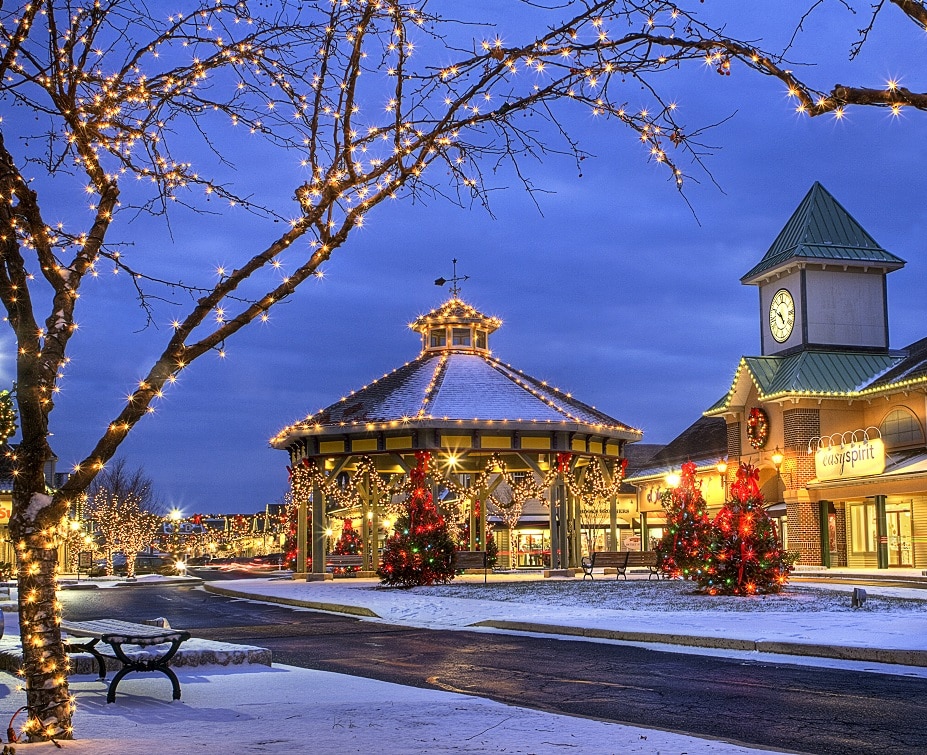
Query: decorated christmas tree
[[745, 556], [349, 544], [683, 550], [420, 551], [492, 548]]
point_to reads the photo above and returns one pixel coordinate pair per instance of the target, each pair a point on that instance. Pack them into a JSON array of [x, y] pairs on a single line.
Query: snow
[[286, 709], [37, 502]]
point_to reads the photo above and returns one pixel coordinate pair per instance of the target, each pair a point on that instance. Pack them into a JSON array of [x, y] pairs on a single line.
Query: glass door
[[898, 523]]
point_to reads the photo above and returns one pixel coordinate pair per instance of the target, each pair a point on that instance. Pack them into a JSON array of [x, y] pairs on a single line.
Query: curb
[[315, 604], [843, 653], [837, 652]]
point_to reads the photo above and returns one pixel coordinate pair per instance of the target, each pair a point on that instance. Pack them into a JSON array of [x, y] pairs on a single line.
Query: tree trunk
[[33, 528], [130, 565]]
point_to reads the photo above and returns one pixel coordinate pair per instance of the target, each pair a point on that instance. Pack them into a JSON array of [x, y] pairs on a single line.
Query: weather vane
[[455, 289]]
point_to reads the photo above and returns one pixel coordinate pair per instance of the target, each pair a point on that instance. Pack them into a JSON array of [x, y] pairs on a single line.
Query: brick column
[[799, 426]]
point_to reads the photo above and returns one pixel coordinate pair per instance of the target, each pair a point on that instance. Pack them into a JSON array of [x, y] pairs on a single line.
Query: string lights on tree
[[684, 548], [420, 551], [355, 104], [745, 555]]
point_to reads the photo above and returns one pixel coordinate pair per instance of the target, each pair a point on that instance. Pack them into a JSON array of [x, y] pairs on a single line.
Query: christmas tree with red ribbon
[[420, 551], [683, 550], [745, 556]]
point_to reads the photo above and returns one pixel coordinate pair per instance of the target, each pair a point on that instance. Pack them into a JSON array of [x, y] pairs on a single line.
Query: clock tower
[[822, 283]]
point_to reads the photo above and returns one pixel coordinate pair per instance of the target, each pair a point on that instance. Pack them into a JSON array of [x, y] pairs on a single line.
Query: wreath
[[757, 427]]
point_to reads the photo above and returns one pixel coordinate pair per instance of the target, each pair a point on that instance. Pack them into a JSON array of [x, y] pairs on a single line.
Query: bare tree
[[378, 99]]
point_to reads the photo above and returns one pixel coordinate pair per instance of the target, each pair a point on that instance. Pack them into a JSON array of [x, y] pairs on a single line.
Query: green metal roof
[[821, 229], [817, 373]]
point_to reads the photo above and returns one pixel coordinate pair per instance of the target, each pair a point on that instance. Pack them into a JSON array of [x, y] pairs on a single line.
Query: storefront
[[833, 418]]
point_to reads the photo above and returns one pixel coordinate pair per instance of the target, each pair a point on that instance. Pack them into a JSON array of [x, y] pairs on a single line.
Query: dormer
[[456, 326]]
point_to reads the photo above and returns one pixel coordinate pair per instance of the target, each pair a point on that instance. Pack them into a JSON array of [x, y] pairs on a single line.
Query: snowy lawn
[[664, 595]]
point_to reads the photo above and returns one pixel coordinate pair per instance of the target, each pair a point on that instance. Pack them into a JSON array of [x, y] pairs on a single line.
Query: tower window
[[461, 337], [438, 337], [481, 339]]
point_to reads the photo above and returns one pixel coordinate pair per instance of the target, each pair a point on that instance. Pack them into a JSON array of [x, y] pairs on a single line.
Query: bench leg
[[156, 664], [88, 647]]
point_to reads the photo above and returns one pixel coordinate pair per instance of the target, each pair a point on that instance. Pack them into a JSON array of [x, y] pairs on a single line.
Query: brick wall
[[799, 426], [805, 532]]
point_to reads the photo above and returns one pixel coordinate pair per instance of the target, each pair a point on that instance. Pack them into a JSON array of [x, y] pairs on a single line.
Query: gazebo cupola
[[455, 326]]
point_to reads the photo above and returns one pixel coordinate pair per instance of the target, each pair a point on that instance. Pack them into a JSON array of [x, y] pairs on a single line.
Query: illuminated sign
[[845, 455], [5, 511]]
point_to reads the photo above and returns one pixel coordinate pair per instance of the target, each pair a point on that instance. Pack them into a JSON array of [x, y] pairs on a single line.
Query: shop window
[[863, 527], [461, 337], [438, 337], [901, 428]]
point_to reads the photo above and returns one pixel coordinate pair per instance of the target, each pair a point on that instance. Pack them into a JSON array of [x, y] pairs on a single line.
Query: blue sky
[[614, 289]]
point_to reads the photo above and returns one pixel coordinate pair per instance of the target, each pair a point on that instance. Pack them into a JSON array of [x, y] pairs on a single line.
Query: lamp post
[[777, 459], [175, 530]]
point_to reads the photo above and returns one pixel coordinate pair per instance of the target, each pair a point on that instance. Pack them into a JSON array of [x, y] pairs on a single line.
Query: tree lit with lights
[[349, 543], [112, 112], [745, 556], [420, 551], [684, 547]]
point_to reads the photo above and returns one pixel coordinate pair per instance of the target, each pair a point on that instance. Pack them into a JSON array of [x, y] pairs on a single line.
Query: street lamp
[[673, 479], [777, 459], [175, 529], [721, 466]]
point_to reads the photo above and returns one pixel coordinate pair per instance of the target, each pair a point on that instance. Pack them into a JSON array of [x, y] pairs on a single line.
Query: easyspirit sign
[[856, 458]]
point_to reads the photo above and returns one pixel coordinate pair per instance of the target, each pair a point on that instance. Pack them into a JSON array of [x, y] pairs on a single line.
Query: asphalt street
[[798, 708]]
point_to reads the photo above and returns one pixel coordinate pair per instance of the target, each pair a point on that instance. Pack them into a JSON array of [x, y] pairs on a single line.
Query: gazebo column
[[555, 491], [574, 527], [372, 559], [564, 527], [612, 523], [302, 527], [318, 529]]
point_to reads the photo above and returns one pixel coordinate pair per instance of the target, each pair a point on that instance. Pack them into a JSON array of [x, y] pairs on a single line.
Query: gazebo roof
[[456, 387]]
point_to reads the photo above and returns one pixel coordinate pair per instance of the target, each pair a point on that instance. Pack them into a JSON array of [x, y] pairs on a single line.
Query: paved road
[[764, 704]]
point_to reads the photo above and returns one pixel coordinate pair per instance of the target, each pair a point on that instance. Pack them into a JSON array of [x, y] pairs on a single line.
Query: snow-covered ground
[[286, 710]]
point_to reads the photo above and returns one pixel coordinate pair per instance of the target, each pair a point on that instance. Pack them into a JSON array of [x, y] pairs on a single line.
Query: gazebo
[[484, 424]]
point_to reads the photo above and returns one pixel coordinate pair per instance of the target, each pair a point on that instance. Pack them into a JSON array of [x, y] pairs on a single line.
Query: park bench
[[602, 559], [83, 636], [345, 561], [464, 560], [644, 559]]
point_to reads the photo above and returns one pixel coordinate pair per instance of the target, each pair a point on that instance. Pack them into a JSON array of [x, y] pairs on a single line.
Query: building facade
[[832, 417]]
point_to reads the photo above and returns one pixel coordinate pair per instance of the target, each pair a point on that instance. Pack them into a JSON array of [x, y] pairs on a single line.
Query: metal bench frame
[[116, 633], [616, 559]]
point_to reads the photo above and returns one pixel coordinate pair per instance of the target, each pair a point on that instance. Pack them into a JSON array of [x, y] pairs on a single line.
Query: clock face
[[781, 315]]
